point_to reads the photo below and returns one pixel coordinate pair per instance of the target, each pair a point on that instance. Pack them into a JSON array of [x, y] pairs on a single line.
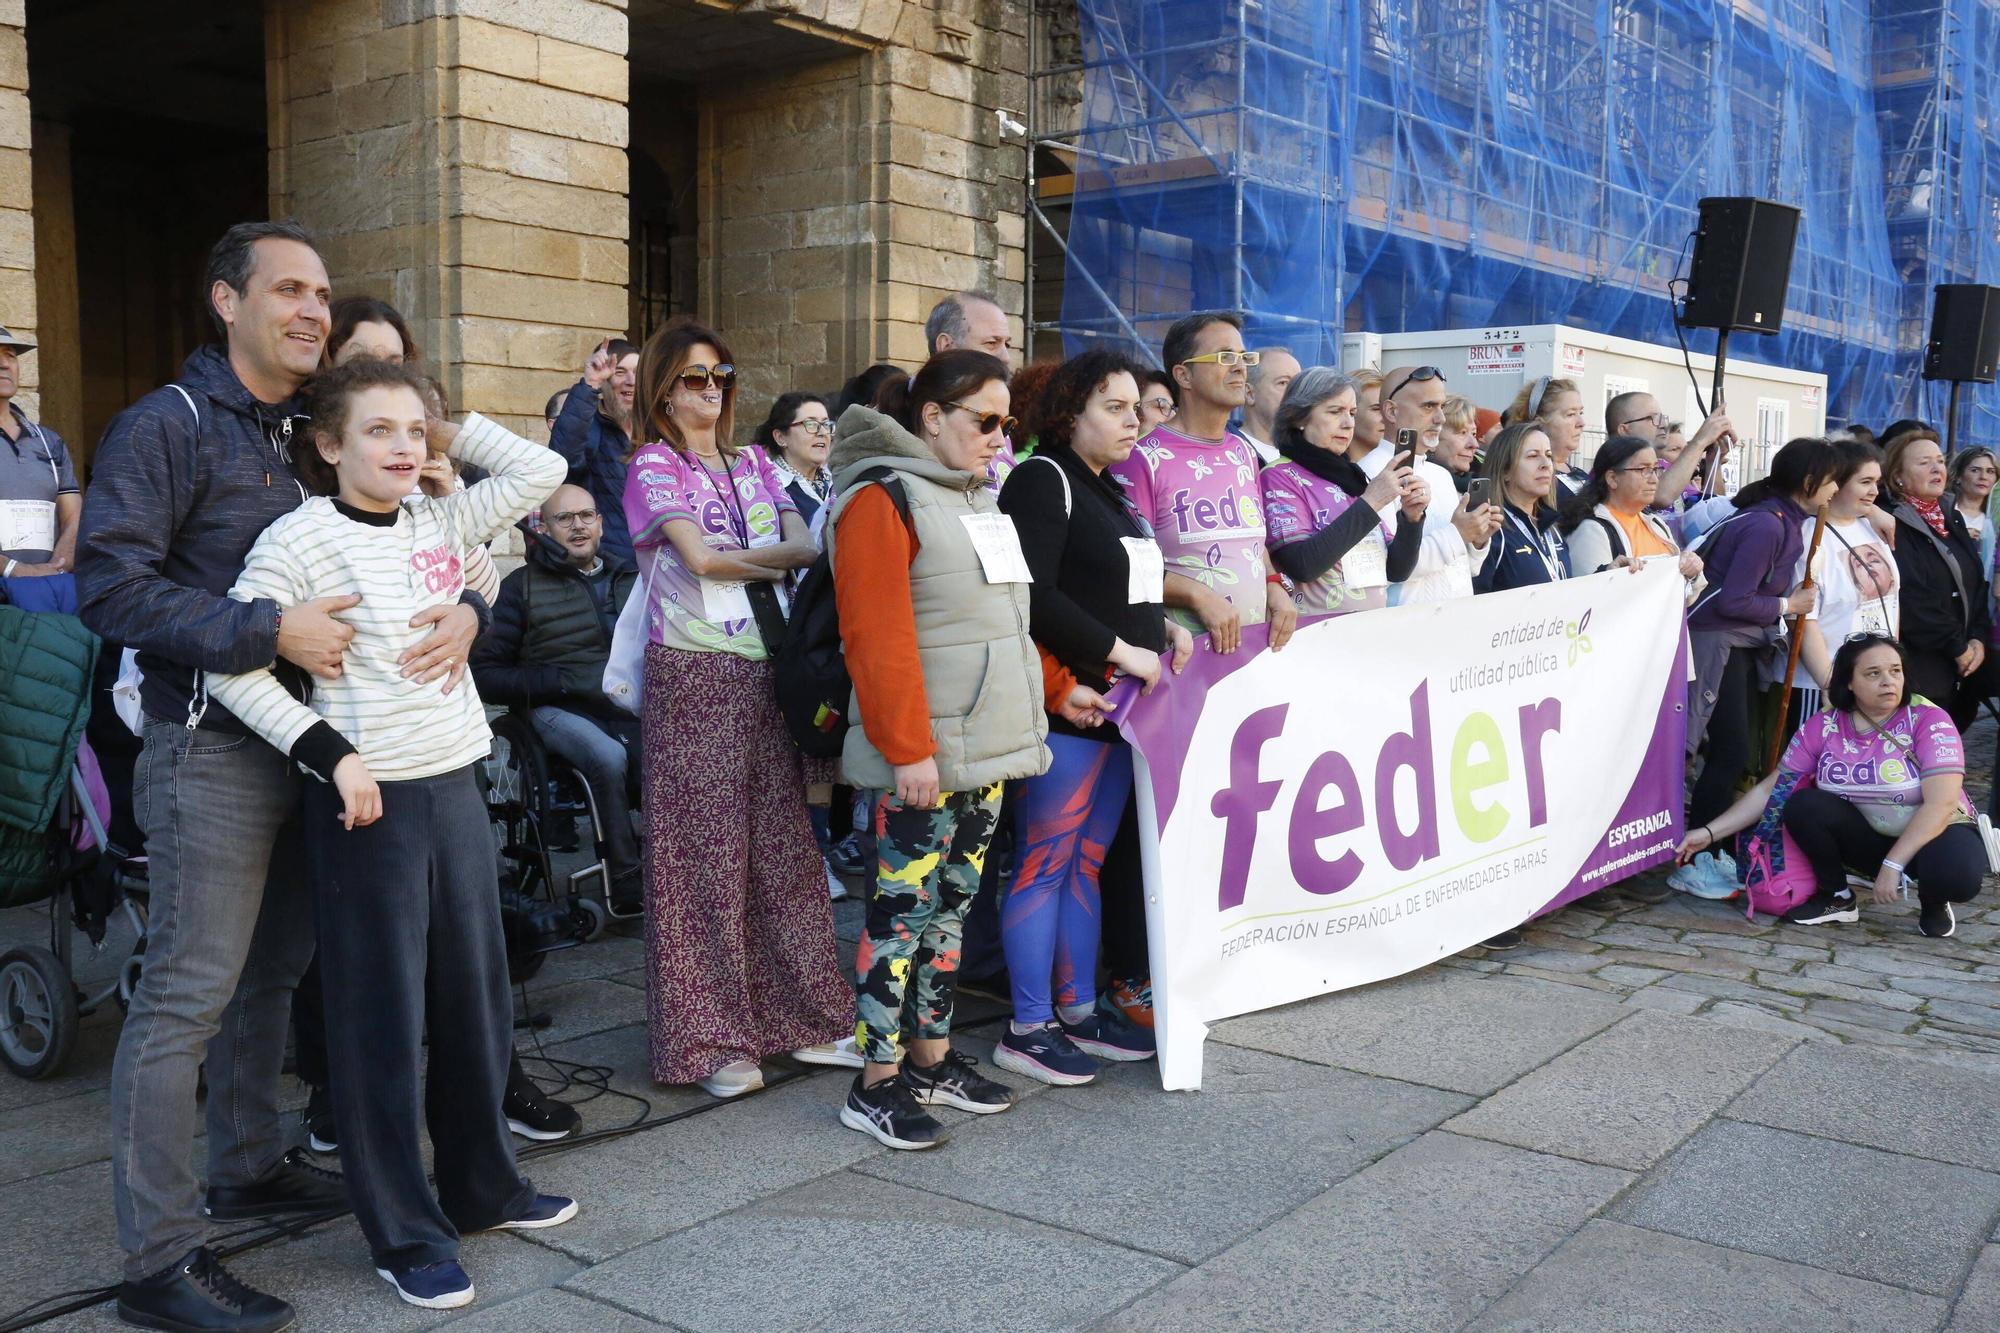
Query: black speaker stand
[[1721, 357], [1951, 420]]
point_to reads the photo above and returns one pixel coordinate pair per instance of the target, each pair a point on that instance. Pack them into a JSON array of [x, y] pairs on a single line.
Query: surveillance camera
[[1009, 125]]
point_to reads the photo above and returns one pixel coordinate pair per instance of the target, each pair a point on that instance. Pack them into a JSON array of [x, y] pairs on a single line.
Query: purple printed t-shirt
[[1201, 500], [689, 612], [1881, 773], [1298, 504]]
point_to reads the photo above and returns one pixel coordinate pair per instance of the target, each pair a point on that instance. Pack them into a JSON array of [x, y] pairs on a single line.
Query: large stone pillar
[[465, 160], [18, 309]]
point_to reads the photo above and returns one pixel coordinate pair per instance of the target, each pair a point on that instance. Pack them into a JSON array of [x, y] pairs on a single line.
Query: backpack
[[810, 669], [1775, 874]]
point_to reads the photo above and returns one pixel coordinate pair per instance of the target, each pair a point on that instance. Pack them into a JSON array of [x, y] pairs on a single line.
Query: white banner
[[1398, 785]]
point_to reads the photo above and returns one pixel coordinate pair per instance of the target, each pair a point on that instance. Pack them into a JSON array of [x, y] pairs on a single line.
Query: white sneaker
[[733, 1080], [843, 1053], [835, 890]]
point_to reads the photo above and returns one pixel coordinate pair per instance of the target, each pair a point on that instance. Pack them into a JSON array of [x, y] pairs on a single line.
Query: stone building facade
[[520, 177]]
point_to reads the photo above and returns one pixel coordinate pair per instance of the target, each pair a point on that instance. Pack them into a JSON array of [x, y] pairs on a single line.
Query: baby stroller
[[54, 844]]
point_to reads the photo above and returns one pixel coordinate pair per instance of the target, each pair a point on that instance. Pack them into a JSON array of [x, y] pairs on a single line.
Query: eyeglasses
[[700, 377], [1644, 469], [573, 516], [815, 425], [1420, 373], [1658, 421], [1228, 356], [989, 421], [1163, 405]]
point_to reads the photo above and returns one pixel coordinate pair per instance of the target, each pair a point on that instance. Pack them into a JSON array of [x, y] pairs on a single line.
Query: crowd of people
[[292, 536]]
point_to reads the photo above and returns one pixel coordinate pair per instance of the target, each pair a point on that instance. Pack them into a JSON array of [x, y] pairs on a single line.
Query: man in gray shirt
[[39, 499]]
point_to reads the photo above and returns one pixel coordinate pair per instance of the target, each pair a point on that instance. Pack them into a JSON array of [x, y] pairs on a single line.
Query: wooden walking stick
[[1792, 654]]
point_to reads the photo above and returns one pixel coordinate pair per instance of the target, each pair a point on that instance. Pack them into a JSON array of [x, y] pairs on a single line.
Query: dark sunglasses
[[989, 421], [700, 377], [1419, 374]]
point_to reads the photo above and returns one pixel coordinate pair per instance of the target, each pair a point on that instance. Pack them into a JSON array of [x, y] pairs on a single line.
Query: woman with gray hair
[[1338, 555]]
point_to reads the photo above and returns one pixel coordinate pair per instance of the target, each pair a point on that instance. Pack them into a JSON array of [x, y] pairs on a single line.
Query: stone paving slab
[[1442, 1027], [851, 1251], [1978, 1308], [1870, 1214], [554, 1312], [1630, 1094], [1614, 1277], [639, 1188], [1181, 1175], [1423, 1239], [63, 1235], [1903, 1104], [50, 1136]]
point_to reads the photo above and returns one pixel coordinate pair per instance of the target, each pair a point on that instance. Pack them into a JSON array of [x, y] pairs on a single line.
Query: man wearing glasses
[[1639, 414], [1455, 537], [1196, 483], [546, 652]]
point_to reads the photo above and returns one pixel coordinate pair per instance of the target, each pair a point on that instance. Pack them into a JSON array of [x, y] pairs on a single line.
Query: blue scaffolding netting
[[1388, 165]]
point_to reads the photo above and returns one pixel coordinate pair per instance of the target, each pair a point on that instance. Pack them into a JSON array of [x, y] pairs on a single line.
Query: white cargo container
[[1768, 404]]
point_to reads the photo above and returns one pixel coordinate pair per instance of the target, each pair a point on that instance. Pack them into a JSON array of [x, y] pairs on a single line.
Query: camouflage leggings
[[927, 870]]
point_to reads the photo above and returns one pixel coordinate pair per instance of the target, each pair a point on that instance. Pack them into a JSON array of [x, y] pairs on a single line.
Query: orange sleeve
[[1057, 681], [873, 549]]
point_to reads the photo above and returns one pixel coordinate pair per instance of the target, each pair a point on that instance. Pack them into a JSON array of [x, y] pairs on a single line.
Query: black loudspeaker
[[1965, 333], [1742, 265]]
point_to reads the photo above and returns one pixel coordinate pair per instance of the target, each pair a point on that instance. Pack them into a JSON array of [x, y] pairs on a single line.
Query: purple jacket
[[1752, 560]]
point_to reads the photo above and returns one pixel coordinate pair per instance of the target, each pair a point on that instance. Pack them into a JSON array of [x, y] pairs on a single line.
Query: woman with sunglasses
[[1096, 606], [595, 434], [739, 933], [1873, 785], [949, 696], [1556, 405], [797, 436], [1611, 521]]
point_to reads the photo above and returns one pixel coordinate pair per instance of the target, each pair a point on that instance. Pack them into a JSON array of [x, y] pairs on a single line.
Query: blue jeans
[[601, 758], [229, 931]]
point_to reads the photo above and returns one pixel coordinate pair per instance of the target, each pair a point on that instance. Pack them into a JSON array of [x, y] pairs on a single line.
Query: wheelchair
[[537, 803]]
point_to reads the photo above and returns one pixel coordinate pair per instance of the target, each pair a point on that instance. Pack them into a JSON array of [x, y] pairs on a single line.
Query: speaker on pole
[[1965, 333], [1742, 265]]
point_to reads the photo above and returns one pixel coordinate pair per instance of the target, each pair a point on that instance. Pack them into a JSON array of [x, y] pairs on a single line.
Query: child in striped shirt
[[396, 832]]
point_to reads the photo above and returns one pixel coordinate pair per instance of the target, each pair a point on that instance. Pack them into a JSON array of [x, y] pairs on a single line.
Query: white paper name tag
[[723, 601], [999, 547], [27, 525], [1366, 565], [1145, 571]]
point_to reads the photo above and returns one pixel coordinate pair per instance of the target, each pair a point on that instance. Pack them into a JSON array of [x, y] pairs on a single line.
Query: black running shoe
[[1938, 921], [1824, 908], [956, 1081], [534, 1115], [1506, 939], [295, 1186], [322, 1130], [198, 1293], [890, 1112]]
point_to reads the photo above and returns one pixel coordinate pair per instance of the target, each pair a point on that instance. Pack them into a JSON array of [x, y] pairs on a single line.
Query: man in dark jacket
[[547, 651], [587, 434], [185, 481]]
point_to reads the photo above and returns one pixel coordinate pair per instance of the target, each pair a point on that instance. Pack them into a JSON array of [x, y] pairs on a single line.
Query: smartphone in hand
[[1479, 493], [1410, 442]]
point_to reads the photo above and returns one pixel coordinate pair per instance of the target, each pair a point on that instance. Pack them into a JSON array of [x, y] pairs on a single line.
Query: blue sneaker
[[438, 1286], [548, 1210], [1046, 1055], [1107, 1035]]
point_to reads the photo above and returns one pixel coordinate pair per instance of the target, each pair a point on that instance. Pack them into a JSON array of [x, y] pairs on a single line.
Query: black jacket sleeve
[[1405, 548], [1304, 561], [1033, 498], [574, 431], [497, 669], [142, 487]]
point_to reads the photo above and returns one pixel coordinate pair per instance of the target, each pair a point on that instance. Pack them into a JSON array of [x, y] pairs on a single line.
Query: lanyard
[[1528, 530], [737, 520]]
